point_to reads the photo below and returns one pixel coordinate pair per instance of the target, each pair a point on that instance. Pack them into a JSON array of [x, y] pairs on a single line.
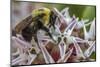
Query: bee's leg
[[51, 23], [35, 39], [35, 29], [35, 33], [53, 19], [48, 32]]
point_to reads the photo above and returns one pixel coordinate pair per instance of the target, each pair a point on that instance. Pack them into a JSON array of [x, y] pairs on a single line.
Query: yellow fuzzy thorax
[[40, 11]]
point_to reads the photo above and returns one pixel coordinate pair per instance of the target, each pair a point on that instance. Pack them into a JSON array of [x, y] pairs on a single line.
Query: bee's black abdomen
[[27, 34]]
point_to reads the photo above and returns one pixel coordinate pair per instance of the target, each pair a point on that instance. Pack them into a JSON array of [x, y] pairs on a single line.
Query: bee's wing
[[24, 23]]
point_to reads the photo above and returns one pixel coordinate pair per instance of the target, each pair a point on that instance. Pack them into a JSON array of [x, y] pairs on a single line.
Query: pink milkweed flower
[[67, 48]]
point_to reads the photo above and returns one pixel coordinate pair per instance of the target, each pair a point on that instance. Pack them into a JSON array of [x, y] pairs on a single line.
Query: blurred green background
[[81, 11]]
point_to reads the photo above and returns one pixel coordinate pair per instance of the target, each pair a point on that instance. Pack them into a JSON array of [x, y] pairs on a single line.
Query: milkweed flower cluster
[[74, 43]]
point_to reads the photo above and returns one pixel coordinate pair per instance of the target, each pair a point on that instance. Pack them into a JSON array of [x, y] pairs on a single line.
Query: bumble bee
[[41, 18]]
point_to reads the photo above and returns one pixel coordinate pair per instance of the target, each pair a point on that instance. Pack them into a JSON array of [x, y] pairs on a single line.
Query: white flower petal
[[21, 43], [92, 30], [91, 33], [60, 16], [66, 56], [47, 56], [65, 13], [90, 50], [31, 58], [16, 53], [79, 52], [70, 27], [19, 59], [86, 36], [79, 40], [80, 24], [62, 48]]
